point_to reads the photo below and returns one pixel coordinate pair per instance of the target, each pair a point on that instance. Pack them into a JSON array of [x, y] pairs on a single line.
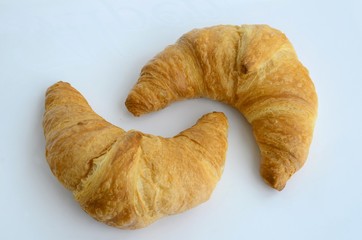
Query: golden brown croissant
[[130, 179], [253, 68]]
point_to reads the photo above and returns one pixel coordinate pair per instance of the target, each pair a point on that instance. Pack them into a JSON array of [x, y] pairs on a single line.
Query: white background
[[99, 46]]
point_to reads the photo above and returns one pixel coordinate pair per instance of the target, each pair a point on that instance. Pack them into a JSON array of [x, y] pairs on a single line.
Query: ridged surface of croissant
[[253, 68], [130, 179]]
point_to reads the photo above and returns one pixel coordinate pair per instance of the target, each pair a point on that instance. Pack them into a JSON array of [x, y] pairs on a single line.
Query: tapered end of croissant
[[136, 106], [277, 165], [143, 99], [74, 134], [274, 174]]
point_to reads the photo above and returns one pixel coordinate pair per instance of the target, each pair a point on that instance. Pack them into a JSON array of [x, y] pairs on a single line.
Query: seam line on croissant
[[142, 179], [94, 166], [277, 51], [84, 105], [73, 125], [292, 160], [192, 140], [236, 60], [194, 55], [212, 164], [278, 148]]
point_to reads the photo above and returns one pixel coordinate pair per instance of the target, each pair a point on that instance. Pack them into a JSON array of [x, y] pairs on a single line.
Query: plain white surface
[[100, 47]]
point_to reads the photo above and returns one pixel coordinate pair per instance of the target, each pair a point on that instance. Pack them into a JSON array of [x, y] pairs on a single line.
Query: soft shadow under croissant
[[130, 179], [253, 68]]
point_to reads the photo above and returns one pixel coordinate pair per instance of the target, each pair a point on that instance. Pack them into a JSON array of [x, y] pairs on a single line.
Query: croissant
[[130, 179], [253, 68]]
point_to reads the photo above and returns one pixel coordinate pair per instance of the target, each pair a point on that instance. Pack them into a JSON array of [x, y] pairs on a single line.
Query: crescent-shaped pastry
[[130, 179], [253, 68]]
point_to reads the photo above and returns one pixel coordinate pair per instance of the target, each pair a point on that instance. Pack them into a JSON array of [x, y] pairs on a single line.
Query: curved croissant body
[[253, 68], [130, 179]]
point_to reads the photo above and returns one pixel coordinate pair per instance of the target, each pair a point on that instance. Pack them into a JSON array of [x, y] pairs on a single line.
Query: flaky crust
[[253, 68], [130, 179]]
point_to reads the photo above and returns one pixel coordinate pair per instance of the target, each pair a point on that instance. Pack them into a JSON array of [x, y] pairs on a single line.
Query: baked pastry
[[130, 179], [253, 68]]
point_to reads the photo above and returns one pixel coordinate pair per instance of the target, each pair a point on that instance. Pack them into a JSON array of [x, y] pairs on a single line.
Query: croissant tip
[[59, 83], [274, 178], [133, 106], [279, 187], [274, 183], [217, 117], [221, 114]]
